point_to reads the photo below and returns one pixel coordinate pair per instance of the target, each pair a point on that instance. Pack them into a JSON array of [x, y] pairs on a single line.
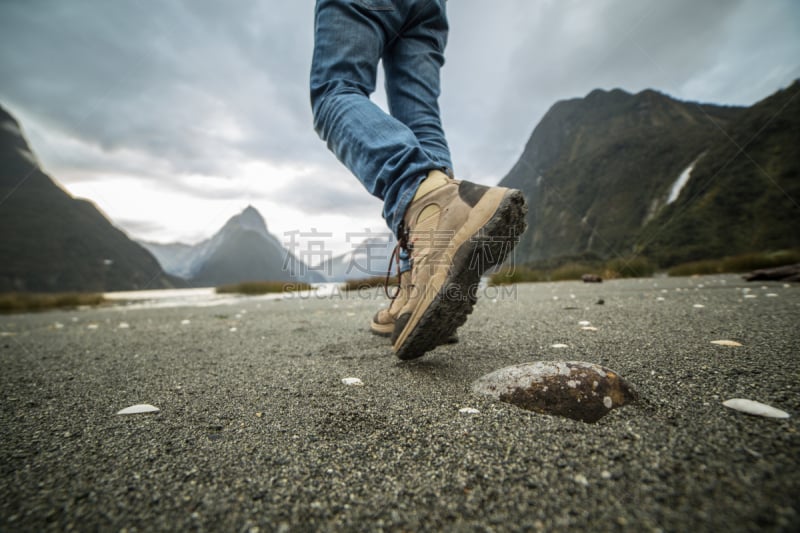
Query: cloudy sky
[[172, 116]]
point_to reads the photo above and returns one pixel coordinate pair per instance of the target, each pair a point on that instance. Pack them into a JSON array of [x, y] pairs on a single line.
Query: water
[[204, 297]]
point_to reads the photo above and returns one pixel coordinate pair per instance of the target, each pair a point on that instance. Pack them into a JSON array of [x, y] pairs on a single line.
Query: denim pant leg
[[384, 153], [412, 64]]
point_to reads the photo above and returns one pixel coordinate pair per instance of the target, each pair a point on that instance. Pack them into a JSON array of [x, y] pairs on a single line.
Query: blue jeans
[[389, 154]]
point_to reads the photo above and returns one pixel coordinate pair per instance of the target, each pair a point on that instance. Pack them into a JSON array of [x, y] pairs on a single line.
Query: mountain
[[173, 257], [369, 258], [54, 242], [243, 250], [596, 169], [743, 194]]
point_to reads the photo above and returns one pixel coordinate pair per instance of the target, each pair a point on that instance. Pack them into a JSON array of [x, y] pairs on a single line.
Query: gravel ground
[[257, 431]]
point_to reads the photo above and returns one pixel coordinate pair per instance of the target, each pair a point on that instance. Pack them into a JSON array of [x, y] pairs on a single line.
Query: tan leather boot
[[455, 231]]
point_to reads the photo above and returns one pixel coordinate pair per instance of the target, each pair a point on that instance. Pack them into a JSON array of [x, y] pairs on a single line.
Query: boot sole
[[382, 330], [386, 330], [451, 295]]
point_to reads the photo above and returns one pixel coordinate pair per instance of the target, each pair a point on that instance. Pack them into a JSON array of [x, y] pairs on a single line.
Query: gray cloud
[[318, 193], [528, 55], [196, 87], [167, 78]]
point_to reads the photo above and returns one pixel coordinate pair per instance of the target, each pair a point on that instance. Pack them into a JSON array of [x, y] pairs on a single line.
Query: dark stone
[[591, 278], [581, 391], [782, 273]]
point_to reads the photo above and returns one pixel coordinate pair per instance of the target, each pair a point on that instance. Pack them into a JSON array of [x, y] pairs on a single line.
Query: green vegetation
[[367, 283], [738, 263], [638, 267], [571, 269], [629, 267], [508, 276], [23, 302], [253, 288]]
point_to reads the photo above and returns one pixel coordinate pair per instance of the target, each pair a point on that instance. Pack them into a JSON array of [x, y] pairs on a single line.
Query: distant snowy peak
[[249, 219], [243, 250], [368, 258]]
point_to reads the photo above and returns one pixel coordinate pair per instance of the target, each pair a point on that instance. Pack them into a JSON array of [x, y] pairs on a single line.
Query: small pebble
[[581, 480], [468, 411], [138, 409], [752, 407], [726, 343], [352, 382]]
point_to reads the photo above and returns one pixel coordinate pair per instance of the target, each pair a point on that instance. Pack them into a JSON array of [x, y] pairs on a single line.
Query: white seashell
[[123, 325], [589, 328], [138, 408], [352, 381], [92, 326], [468, 411], [771, 295], [751, 296], [559, 345], [660, 299], [698, 306], [232, 329], [752, 407], [580, 479], [185, 322], [58, 325], [726, 343], [584, 323]]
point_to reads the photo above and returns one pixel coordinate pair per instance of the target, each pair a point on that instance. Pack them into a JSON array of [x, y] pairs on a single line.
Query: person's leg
[[382, 152], [412, 64]]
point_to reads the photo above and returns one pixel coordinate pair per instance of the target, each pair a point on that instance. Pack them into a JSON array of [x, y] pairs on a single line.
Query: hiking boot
[[454, 231], [382, 323]]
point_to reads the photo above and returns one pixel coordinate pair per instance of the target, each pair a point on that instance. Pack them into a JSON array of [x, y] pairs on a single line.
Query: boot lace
[[401, 252]]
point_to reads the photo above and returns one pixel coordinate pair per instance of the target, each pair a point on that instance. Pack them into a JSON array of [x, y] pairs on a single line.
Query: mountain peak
[[250, 219]]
